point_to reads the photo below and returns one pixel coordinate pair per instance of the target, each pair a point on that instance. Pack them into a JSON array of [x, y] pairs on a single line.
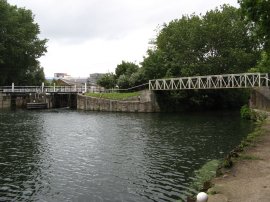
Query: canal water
[[64, 155]]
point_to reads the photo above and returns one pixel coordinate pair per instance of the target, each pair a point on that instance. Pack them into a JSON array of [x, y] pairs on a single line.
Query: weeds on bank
[[204, 175], [248, 157]]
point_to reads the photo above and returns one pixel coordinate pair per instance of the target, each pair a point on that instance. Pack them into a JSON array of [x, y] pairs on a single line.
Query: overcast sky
[[93, 36]]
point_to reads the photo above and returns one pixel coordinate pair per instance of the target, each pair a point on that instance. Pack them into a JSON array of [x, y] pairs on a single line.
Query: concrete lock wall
[[260, 99], [145, 103], [5, 101]]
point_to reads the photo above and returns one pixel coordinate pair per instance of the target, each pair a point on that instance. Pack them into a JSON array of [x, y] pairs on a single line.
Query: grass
[[114, 96], [205, 174], [248, 157]]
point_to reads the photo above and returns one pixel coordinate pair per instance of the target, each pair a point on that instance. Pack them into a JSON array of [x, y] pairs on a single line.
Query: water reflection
[[77, 156]]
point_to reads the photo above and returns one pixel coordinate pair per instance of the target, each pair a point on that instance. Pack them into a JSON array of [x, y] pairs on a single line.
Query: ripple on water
[[74, 156]]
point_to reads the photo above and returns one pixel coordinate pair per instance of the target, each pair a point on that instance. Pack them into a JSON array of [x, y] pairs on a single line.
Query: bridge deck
[[245, 80]]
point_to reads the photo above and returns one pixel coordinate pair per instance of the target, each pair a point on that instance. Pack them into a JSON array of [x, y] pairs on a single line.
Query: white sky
[[93, 36]]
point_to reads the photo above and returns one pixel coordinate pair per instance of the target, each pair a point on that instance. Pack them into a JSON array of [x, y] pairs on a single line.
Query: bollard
[[202, 197]]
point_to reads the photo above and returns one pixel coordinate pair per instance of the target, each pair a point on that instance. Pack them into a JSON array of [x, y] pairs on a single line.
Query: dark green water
[[87, 156]]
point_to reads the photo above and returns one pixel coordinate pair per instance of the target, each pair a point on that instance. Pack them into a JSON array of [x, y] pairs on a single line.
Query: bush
[[246, 112]]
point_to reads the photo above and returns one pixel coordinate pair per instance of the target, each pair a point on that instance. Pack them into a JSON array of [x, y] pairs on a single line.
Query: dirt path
[[248, 180]]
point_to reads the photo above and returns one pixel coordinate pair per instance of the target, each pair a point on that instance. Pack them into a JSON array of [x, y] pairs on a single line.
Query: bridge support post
[[12, 87], [42, 87]]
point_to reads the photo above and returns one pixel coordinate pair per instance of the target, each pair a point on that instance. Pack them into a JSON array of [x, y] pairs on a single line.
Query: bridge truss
[[244, 80]]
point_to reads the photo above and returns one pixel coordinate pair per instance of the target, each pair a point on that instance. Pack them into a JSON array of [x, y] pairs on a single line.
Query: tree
[[219, 42], [154, 65], [126, 68], [107, 81], [137, 78], [123, 82], [20, 46], [258, 11], [216, 43]]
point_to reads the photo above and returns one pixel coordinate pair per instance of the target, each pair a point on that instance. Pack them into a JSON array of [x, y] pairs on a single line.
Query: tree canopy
[[216, 43], [107, 81], [258, 12], [20, 46]]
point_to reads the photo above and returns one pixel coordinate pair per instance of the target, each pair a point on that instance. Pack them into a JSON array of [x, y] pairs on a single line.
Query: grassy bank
[[114, 96]]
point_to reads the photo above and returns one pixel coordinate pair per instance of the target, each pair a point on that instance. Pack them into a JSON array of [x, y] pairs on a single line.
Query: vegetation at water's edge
[[250, 114], [114, 96], [205, 174]]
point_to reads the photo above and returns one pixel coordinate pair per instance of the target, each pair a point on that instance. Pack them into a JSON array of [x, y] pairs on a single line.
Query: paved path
[[248, 180]]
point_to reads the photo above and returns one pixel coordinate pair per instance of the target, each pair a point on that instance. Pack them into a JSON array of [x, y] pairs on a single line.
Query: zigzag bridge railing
[[244, 80]]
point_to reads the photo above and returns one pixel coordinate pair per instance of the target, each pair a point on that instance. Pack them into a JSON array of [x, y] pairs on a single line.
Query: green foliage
[[137, 78], [258, 12], [153, 65], [205, 174], [126, 68], [20, 46], [248, 157], [245, 112], [114, 96], [107, 81], [263, 64], [123, 82], [216, 43]]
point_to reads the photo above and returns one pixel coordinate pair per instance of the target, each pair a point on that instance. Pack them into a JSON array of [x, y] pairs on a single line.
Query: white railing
[[244, 80], [43, 89]]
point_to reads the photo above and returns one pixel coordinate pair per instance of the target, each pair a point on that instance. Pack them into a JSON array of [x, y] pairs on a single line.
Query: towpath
[[248, 180]]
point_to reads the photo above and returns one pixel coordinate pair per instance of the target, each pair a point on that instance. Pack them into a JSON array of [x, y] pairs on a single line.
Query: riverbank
[[249, 178]]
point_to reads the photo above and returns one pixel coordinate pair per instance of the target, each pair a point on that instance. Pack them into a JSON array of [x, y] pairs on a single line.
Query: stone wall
[[260, 98], [5, 101], [146, 102]]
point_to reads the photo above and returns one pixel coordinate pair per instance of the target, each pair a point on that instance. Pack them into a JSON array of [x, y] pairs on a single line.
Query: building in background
[[60, 75], [92, 79], [63, 79]]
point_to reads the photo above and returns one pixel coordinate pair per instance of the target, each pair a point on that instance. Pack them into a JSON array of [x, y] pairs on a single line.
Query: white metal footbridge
[[225, 81]]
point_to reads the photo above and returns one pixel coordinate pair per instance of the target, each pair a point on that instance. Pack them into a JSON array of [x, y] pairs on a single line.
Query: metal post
[[53, 87], [85, 88], [42, 87], [12, 87], [245, 80]]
